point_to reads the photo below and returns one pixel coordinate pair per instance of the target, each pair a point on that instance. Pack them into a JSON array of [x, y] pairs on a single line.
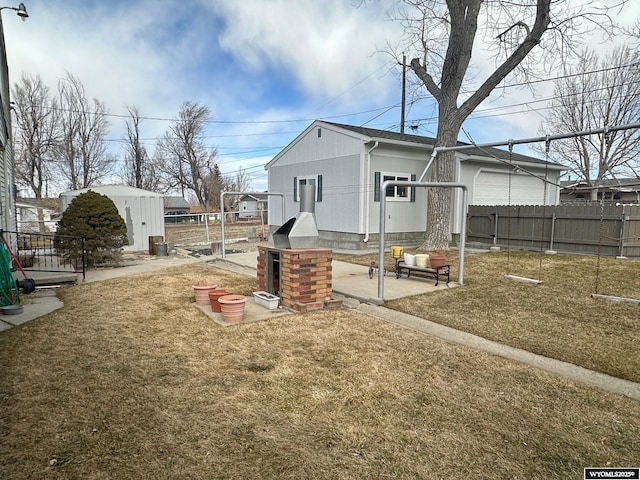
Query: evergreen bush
[[96, 218]]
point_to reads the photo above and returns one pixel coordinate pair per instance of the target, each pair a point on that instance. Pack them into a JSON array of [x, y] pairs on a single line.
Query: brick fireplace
[[300, 277]]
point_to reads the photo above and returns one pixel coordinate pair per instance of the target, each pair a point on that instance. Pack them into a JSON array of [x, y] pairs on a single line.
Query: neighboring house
[[141, 210], [252, 205], [621, 190], [29, 209], [348, 163], [176, 206]]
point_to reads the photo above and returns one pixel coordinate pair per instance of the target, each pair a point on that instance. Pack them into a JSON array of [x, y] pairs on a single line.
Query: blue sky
[[266, 69]]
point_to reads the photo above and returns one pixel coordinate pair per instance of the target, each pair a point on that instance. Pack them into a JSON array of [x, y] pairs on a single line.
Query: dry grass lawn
[[557, 319], [129, 381]]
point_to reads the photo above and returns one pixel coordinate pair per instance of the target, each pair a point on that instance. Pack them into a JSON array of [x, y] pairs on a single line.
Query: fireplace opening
[[274, 272]]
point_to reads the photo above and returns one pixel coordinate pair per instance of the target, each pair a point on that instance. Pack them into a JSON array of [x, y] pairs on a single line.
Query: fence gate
[[36, 252]]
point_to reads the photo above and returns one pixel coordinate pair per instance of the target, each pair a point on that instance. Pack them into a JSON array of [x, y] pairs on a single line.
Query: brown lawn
[[129, 380]]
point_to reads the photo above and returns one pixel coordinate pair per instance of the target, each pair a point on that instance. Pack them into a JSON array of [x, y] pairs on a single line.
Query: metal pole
[[546, 138], [537, 139], [206, 226], [404, 93]]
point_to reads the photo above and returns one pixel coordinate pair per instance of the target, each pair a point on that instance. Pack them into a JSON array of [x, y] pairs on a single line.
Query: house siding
[[338, 210], [7, 198], [402, 216], [311, 148], [348, 158]]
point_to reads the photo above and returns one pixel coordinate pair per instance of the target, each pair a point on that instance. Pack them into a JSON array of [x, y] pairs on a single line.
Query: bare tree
[[597, 93], [215, 185], [83, 156], [441, 36], [36, 136], [238, 183], [139, 170], [185, 160]]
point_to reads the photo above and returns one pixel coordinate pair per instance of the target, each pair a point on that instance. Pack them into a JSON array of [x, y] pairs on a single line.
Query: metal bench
[[436, 273]]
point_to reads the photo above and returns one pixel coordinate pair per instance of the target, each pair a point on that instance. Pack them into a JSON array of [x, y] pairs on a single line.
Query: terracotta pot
[[201, 293], [437, 261], [232, 307], [214, 296]]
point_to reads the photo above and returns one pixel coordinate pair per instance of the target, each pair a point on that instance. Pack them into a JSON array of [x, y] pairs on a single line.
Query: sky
[[265, 68]]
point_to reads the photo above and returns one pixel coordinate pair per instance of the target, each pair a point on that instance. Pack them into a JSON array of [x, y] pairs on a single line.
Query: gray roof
[[613, 183], [256, 196], [486, 152], [176, 202]]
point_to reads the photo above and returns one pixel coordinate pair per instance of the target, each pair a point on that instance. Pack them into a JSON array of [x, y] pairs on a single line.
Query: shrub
[[94, 217]]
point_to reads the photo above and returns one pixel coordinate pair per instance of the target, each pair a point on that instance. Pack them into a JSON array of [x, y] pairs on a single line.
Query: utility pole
[[404, 82]]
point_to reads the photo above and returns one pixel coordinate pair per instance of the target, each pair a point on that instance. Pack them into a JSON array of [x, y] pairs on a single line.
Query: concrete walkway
[[352, 283]]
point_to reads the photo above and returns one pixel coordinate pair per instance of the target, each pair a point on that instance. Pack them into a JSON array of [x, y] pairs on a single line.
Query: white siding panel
[[402, 216], [492, 188], [311, 148], [338, 210]]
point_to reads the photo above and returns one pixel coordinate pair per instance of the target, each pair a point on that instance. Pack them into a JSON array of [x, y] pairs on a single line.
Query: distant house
[[621, 190], [176, 206], [141, 210], [253, 205], [347, 164], [29, 210]]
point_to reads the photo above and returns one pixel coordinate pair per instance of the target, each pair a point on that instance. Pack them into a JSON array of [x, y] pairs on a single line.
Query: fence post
[[622, 231], [553, 229], [495, 229]]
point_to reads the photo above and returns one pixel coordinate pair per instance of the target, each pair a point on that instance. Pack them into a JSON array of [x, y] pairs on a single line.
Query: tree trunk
[[438, 231]]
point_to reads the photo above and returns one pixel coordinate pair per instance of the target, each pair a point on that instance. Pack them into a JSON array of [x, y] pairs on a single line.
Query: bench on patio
[[436, 273]]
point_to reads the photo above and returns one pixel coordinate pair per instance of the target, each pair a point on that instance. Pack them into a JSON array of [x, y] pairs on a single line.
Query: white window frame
[[400, 194], [306, 178]]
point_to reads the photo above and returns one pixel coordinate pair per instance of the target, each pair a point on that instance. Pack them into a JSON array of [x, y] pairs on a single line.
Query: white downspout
[[366, 193]]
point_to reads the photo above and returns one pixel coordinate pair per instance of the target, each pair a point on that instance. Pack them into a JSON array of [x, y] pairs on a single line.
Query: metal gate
[[36, 252]]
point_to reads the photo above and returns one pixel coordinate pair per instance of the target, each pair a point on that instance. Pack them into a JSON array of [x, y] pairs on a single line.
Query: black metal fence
[[609, 229], [36, 252]]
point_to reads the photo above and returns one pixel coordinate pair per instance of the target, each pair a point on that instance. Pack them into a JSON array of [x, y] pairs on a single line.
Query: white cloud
[[327, 46]]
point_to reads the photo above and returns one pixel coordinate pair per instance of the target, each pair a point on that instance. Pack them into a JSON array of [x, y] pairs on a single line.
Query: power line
[[306, 120]]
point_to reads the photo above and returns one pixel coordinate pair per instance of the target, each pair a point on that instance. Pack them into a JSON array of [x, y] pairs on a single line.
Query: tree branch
[[425, 78], [541, 24]]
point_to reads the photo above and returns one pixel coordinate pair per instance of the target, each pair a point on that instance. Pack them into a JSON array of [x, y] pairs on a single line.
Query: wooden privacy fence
[[610, 229]]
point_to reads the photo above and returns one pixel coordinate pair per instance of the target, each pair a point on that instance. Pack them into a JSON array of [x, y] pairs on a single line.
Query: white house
[[7, 179], [141, 210], [252, 205], [348, 163], [34, 213]]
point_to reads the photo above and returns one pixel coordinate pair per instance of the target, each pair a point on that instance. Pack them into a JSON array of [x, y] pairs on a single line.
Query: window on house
[[315, 180], [394, 193]]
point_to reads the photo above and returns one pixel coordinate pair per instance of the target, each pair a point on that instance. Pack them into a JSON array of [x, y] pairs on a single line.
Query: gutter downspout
[[366, 193]]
